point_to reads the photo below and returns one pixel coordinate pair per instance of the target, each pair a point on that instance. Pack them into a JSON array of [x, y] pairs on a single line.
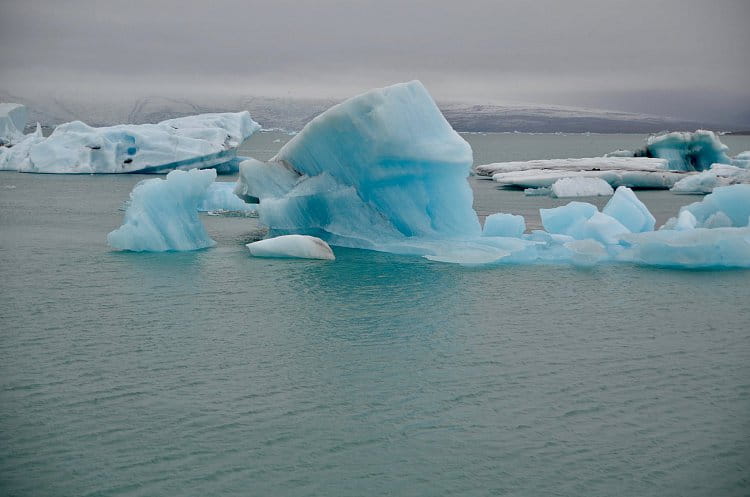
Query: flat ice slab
[[202, 141], [706, 181], [581, 187], [292, 246], [585, 164]]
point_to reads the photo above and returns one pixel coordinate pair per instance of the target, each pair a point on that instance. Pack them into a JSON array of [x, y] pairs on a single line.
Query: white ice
[[292, 246], [580, 187], [632, 178], [706, 181], [12, 122], [613, 163], [206, 140], [163, 214]]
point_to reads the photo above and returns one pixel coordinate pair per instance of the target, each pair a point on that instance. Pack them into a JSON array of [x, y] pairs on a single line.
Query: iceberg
[[689, 248], [163, 214], [292, 246], [202, 141], [504, 225], [581, 187], [629, 211], [545, 178], [742, 160], [383, 170], [582, 221], [613, 163], [12, 122], [727, 206], [706, 181], [687, 151], [11, 157], [220, 197]]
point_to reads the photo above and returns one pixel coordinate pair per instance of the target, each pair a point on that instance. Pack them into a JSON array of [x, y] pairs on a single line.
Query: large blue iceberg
[[163, 214], [382, 168], [202, 141]]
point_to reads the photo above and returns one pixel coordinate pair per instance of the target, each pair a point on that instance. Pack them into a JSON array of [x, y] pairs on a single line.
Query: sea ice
[[580, 187], [12, 123], [706, 181], [630, 211], [294, 246], [163, 214], [504, 225], [206, 140], [220, 197]]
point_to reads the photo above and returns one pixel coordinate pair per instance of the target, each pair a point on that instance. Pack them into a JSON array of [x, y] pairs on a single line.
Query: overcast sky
[[682, 58]]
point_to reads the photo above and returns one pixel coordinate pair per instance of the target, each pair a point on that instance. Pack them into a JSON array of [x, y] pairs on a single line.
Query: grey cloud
[[573, 52]]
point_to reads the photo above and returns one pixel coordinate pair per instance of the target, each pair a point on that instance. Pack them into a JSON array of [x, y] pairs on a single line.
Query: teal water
[[214, 373]]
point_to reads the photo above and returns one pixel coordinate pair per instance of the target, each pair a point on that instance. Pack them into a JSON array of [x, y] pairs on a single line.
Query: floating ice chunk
[[582, 221], [294, 246], [12, 123], [562, 219], [732, 201], [260, 180], [163, 214], [206, 140], [688, 151], [706, 181], [12, 157], [685, 221], [220, 197], [586, 252], [620, 153], [504, 225], [690, 248], [742, 160], [581, 187], [537, 192], [545, 178], [586, 164], [383, 170], [630, 211]]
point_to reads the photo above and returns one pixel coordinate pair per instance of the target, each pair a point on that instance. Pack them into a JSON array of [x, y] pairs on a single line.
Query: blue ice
[[163, 214]]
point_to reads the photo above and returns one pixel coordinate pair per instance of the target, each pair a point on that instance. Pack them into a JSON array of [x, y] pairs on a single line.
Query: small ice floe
[[292, 246]]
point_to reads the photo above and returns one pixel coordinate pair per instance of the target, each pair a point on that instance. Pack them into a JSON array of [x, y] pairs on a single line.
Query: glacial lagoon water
[[215, 373]]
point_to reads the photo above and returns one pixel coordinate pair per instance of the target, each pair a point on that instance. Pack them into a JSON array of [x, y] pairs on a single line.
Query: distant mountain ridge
[[292, 114]]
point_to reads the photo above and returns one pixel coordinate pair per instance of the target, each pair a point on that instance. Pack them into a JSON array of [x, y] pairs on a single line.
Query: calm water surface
[[214, 373]]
